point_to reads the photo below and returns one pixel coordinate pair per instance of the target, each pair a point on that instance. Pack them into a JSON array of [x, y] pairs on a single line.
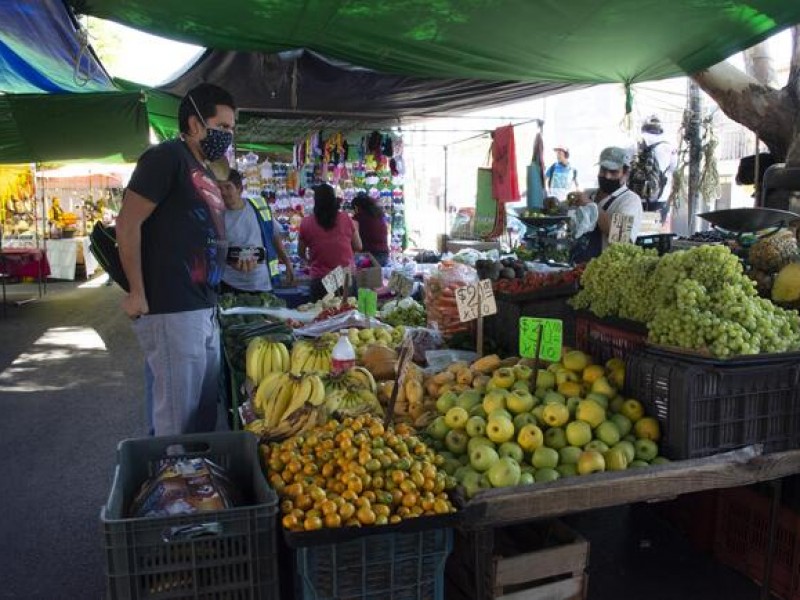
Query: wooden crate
[[545, 560]]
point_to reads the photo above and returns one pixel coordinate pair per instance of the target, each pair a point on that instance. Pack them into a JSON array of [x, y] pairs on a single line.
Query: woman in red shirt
[[328, 238], [372, 227]]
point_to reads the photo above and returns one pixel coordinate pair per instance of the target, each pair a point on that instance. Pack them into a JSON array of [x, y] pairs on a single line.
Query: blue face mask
[[216, 142]]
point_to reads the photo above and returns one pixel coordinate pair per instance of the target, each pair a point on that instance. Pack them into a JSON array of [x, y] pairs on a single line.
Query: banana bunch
[[279, 395], [412, 406], [263, 357], [353, 401], [304, 418], [311, 357]]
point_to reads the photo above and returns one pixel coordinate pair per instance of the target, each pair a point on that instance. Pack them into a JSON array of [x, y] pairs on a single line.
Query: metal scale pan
[[746, 220]]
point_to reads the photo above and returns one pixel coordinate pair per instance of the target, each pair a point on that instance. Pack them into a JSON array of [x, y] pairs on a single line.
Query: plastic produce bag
[[440, 296], [185, 486], [346, 320], [425, 340]]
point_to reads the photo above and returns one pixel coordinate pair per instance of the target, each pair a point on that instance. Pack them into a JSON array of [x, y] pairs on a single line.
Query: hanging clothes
[[535, 176], [505, 183]]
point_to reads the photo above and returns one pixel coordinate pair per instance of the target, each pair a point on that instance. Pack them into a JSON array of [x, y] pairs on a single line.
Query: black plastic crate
[[662, 242], [503, 327], [394, 566], [603, 339], [705, 409], [220, 554]]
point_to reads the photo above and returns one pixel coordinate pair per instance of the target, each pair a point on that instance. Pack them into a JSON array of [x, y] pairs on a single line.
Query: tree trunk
[[773, 114]]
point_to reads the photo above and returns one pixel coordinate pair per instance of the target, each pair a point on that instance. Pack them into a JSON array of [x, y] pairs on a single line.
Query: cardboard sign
[[475, 300], [400, 285], [621, 228], [333, 280], [552, 332], [368, 302]]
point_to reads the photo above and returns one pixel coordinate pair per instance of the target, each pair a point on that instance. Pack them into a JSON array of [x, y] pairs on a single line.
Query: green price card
[[368, 302], [552, 332]]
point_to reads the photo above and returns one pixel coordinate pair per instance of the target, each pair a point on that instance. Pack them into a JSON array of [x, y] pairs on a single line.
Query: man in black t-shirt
[[171, 235]]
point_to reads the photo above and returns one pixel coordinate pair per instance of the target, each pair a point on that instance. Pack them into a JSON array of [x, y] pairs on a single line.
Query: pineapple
[[770, 254], [786, 289]]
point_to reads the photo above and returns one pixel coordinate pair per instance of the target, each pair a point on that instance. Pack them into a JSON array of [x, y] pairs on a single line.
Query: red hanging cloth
[[505, 184]]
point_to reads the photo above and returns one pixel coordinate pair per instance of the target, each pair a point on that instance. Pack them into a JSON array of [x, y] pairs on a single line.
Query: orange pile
[[356, 473]]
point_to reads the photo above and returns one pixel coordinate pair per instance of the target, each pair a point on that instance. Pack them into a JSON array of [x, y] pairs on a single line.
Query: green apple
[[645, 449], [483, 457], [607, 433], [660, 460], [445, 402], [540, 393], [572, 404], [476, 426], [569, 470], [555, 438], [628, 449], [478, 441], [545, 379], [591, 461], [538, 414], [555, 414], [499, 429], [629, 438], [552, 397], [622, 422], [462, 472], [477, 411], [468, 398], [526, 478], [494, 400], [579, 433], [599, 398], [522, 386], [544, 457], [504, 473], [511, 450], [523, 419], [464, 458], [451, 465], [456, 441], [520, 401], [530, 437], [616, 459], [456, 418], [638, 464], [438, 428], [503, 377], [471, 483], [500, 413], [569, 455], [597, 445], [485, 483], [616, 404], [523, 372], [546, 474], [591, 412]]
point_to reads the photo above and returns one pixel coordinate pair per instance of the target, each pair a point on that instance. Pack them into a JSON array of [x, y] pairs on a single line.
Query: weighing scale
[[549, 237]]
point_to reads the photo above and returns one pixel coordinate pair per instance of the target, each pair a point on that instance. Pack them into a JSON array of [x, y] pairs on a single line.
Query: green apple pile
[[525, 428], [361, 339]]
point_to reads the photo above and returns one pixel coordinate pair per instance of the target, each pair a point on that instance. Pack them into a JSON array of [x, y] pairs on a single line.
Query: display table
[[65, 255], [24, 262]]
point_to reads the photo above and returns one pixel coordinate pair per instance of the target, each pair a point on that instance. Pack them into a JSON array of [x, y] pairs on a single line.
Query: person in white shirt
[[611, 197]]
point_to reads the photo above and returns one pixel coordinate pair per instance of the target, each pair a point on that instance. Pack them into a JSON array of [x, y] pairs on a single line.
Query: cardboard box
[[369, 277]]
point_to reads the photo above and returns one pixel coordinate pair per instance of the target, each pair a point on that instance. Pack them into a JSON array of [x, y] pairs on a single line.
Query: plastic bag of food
[[440, 296], [425, 340], [185, 486]]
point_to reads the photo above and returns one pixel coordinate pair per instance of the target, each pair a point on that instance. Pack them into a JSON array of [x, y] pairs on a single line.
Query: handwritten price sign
[[475, 300], [621, 228], [333, 280], [552, 332]]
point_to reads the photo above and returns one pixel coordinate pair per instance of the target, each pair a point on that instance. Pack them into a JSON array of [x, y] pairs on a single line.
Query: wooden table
[[500, 507]]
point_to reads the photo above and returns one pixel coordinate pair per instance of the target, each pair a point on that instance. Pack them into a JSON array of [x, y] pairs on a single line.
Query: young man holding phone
[[254, 244]]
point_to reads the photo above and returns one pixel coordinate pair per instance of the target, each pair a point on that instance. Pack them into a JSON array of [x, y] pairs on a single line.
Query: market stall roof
[[41, 51], [301, 84], [586, 41], [55, 127]]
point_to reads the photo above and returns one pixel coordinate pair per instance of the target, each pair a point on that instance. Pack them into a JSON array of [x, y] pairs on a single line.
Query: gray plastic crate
[[220, 554]]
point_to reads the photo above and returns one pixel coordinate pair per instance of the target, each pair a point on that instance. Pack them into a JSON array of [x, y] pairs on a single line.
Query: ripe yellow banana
[[266, 390], [253, 359], [300, 353], [285, 362], [281, 400], [361, 377], [414, 391], [317, 397], [266, 359], [301, 394]]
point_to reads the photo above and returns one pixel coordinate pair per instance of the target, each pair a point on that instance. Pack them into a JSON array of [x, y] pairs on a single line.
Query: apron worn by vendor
[[590, 245], [267, 226]]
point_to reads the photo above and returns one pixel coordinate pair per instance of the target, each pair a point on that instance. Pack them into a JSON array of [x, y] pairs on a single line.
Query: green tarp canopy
[[586, 41], [56, 127]]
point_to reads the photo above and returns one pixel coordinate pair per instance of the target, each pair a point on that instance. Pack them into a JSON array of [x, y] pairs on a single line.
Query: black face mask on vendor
[[608, 186]]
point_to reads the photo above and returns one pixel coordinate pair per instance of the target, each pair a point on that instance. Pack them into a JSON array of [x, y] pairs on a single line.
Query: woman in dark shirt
[[372, 227]]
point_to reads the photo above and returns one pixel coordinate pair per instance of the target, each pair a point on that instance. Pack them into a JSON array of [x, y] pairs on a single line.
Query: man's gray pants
[[182, 353]]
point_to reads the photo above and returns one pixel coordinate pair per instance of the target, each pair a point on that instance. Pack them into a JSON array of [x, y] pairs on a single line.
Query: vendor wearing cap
[[561, 177], [611, 197]]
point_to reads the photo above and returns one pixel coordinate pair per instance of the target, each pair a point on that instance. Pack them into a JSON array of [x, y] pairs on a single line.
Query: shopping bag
[[103, 244]]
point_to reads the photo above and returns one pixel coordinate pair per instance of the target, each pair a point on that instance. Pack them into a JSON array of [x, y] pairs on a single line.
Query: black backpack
[[647, 178], [103, 244]]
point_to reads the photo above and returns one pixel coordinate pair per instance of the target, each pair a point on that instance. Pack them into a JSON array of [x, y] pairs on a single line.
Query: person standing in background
[[171, 236], [561, 177], [372, 227], [328, 239]]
